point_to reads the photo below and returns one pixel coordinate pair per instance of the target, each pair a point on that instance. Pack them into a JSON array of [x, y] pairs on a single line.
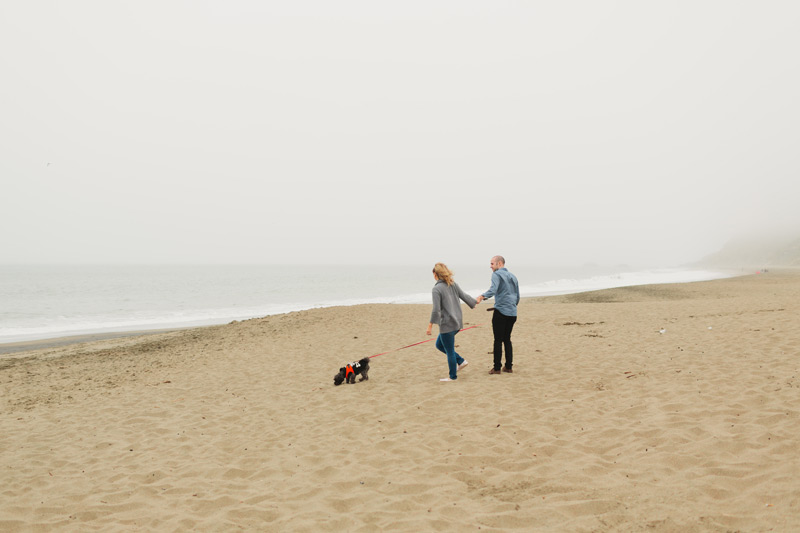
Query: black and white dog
[[349, 372]]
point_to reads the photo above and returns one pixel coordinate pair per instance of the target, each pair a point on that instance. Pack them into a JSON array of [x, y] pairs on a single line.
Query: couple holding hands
[[447, 314]]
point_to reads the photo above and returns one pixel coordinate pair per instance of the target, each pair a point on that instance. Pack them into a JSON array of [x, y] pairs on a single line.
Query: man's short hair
[[500, 258]]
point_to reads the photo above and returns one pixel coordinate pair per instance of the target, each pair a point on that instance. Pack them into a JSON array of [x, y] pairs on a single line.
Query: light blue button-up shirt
[[505, 289]]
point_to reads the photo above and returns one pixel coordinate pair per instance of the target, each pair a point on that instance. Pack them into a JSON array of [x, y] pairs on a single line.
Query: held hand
[[480, 298]]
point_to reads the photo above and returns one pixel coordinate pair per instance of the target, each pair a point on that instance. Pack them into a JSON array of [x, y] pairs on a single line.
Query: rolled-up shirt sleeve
[[493, 288]]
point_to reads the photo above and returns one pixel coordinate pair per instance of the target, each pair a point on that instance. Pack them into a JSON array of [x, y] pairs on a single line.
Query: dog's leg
[[364, 376]]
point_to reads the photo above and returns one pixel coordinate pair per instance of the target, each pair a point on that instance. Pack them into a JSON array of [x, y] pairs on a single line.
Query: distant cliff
[[756, 253]]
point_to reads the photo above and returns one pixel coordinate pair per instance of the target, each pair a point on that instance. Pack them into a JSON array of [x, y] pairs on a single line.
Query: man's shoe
[[509, 370], [493, 371], [462, 365]]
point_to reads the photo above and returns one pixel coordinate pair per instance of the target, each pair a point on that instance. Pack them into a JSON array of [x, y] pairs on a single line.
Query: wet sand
[[56, 342]]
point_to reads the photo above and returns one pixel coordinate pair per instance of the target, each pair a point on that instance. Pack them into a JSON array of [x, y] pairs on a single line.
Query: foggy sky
[[407, 132]]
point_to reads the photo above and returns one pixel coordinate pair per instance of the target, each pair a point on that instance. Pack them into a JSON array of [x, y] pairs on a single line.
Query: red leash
[[418, 343]]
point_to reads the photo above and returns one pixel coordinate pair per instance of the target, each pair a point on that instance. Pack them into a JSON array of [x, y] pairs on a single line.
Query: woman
[[447, 314]]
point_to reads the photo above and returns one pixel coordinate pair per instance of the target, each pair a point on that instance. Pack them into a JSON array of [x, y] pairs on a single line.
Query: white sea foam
[[625, 279]]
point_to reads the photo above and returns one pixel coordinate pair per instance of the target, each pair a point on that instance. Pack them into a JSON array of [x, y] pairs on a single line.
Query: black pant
[[501, 327]]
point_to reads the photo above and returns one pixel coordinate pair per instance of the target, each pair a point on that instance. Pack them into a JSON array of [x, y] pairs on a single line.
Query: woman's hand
[[430, 327]]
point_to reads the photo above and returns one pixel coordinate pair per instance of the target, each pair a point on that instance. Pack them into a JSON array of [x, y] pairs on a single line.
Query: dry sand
[[606, 424]]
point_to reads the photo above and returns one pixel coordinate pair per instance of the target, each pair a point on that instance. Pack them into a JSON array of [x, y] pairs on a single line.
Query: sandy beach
[[650, 408]]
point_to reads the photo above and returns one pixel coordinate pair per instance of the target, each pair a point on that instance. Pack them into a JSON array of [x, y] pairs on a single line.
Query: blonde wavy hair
[[443, 273]]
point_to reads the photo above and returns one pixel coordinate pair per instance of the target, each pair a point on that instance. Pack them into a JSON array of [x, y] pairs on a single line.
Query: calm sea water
[[40, 302]]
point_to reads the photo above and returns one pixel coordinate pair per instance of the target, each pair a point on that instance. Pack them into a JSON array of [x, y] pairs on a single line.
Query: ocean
[[48, 301]]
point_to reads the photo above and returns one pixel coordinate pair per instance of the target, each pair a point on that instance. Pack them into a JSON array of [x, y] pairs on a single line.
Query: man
[[505, 289]]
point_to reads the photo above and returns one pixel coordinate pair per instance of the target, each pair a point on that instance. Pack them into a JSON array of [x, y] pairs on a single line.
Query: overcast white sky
[[646, 133]]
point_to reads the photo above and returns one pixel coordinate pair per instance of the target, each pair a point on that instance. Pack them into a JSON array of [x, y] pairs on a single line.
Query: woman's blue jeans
[[446, 343]]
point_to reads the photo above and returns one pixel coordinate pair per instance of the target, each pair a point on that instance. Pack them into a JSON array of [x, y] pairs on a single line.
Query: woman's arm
[[436, 312], [469, 300]]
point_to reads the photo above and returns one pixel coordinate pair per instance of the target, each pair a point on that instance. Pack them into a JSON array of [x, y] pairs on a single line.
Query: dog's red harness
[[348, 370]]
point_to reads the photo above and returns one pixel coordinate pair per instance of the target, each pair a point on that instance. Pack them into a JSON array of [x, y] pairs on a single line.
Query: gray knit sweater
[[446, 307]]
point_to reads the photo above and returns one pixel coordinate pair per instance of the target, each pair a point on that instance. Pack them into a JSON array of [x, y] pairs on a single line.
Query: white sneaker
[[462, 365], [446, 379]]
